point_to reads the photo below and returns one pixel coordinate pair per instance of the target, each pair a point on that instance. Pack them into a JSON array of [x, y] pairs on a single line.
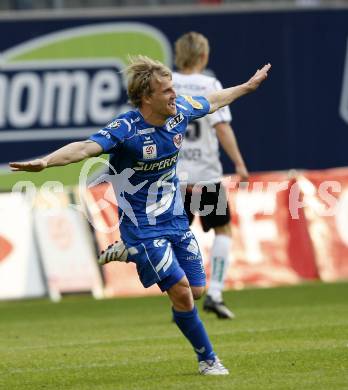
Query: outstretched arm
[[71, 153], [226, 96]]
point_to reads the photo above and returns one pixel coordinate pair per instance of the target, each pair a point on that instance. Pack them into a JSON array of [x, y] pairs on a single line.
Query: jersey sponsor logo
[[156, 166], [149, 151], [177, 139], [194, 103], [113, 125], [175, 121]]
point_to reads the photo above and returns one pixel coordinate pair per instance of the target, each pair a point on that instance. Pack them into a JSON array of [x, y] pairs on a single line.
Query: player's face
[[163, 97]]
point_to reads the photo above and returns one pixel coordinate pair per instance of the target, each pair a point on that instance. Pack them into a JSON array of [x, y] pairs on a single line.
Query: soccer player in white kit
[[199, 161]]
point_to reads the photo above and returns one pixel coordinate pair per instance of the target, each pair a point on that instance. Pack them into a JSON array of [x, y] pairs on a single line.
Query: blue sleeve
[[112, 134], [194, 107]]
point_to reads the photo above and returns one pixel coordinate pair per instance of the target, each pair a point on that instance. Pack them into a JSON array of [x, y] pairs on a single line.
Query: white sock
[[219, 265]]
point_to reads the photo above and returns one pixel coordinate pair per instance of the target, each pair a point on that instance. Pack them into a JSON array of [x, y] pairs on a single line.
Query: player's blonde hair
[[189, 49], [141, 71]]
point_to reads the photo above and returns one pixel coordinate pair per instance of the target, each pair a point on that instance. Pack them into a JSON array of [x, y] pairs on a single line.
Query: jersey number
[[193, 132], [153, 208]]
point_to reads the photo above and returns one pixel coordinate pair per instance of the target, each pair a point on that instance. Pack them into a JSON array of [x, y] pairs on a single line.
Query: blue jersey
[[143, 162]]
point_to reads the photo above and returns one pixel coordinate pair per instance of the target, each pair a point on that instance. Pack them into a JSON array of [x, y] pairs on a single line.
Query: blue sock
[[193, 329]]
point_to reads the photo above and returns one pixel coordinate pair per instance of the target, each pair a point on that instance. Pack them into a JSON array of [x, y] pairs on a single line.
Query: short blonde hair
[[141, 71], [188, 49]]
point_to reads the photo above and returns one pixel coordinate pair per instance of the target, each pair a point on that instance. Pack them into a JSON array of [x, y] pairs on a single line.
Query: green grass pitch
[[282, 338]]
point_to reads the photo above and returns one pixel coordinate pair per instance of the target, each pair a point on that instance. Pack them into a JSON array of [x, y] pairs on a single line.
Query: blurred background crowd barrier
[[60, 81], [287, 229]]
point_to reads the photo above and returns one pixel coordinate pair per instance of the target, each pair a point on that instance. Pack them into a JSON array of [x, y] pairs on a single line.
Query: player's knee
[[198, 292], [184, 300], [181, 296]]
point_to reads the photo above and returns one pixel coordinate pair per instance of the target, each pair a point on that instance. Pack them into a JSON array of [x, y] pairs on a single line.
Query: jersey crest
[[177, 139], [113, 125], [149, 152]]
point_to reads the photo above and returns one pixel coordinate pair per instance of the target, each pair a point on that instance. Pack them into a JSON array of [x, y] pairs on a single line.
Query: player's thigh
[[190, 259], [156, 262], [215, 200]]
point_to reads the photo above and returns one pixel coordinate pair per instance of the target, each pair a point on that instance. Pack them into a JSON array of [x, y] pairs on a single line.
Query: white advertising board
[[67, 251], [20, 274]]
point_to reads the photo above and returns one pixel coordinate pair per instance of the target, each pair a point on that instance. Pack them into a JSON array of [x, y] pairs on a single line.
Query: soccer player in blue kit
[[143, 145]]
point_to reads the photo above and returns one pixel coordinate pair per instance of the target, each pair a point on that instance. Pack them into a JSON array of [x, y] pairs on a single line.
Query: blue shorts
[[166, 260]]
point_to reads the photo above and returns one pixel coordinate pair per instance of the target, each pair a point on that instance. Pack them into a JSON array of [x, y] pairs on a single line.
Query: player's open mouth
[[172, 105]]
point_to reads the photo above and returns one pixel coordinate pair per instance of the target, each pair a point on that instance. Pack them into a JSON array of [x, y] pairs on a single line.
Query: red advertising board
[[286, 228], [264, 251], [325, 197]]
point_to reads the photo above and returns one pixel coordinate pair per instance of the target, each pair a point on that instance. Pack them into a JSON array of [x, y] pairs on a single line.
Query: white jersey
[[199, 158]]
